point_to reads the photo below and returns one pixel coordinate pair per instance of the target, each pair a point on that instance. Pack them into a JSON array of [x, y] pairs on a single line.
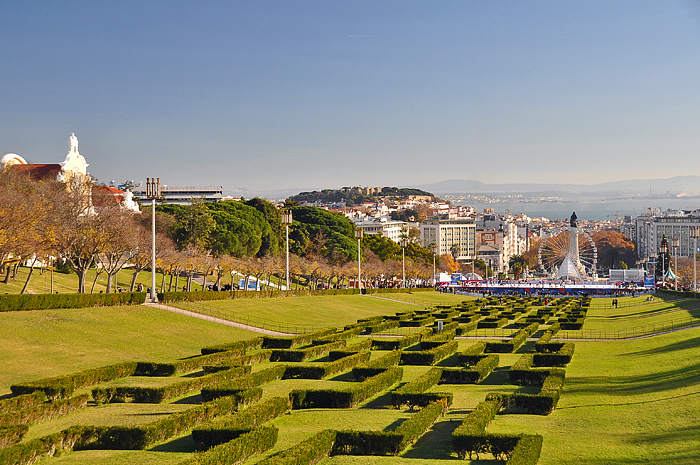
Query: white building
[[446, 233], [650, 228], [183, 195], [388, 228]]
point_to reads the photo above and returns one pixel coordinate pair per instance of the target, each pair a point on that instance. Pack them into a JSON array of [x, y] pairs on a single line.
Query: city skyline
[[273, 95]]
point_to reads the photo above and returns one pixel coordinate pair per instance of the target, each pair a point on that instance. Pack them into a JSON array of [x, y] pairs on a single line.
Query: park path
[[214, 319]]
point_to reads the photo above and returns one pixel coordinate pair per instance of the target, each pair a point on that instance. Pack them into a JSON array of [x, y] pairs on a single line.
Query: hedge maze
[[237, 412]]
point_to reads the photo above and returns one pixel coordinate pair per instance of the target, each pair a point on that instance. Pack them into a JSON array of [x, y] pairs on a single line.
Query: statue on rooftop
[[573, 222]]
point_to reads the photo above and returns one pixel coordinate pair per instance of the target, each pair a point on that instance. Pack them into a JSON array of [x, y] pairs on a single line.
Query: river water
[[588, 208]]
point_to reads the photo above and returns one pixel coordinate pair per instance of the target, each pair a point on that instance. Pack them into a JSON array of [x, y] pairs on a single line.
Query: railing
[[631, 333]]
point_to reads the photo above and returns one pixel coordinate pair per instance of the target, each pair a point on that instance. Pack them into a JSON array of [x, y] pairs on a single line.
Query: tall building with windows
[[648, 230], [450, 235]]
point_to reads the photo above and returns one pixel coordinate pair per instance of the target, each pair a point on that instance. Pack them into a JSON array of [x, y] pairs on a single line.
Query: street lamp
[[286, 221], [675, 242], [694, 234], [433, 248], [359, 232], [404, 243], [153, 193]]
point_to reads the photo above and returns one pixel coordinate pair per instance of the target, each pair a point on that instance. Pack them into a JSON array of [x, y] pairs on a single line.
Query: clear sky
[[293, 94]]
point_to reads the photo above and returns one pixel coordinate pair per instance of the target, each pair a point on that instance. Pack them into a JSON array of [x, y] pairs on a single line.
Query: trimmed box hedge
[[417, 322], [428, 357], [276, 342], [232, 357], [299, 355], [401, 342], [23, 302], [511, 345], [347, 397], [492, 322], [309, 452], [364, 344], [246, 345], [239, 385], [44, 411], [22, 401], [379, 327], [61, 387], [468, 438], [471, 355], [10, 435], [558, 358], [257, 357], [244, 421], [412, 394], [376, 366], [237, 450], [322, 370], [471, 375], [155, 395]]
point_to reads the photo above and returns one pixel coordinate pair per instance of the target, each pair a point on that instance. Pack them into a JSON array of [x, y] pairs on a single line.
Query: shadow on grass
[[681, 345], [190, 400], [347, 376], [615, 404], [450, 361], [526, 348], [383, 401], [182, 444], [644, 384], [499, 376], [436, 443]]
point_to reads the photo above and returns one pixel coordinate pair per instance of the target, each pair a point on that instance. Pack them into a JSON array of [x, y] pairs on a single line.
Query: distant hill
[[689, 185], [356, 196]]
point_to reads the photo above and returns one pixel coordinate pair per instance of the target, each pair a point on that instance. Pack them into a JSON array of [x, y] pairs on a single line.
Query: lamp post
[[433, 248], [694, 233], [286, 221], [153, 193], [675, 242], [359, 232], [404, 243]]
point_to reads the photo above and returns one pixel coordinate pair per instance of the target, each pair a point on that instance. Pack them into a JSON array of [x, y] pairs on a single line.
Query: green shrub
[[379, 327], [155, 395], [347, 397], [377, 366], [471, 355], [364, 344], [244, 421], [236, 386], [409, 393], [472, 375], [246, 345], [464, 329], [322, 370], [468, 438], [275, 342], [339, 336], [437, 339], [402, 342], [417, 322], [367, 443], [558, 358], [509, 346], [527, 451], [237, 450], [63, 386], [26, 453], [45, 411], [234, 357], [10, 435], [291, 355], [257, 357], [19, 302], [308, 452], [428, 357], [492, 322], [22, 402]]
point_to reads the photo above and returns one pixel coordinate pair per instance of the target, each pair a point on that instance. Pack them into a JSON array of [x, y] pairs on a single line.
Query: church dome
[[12, 159]]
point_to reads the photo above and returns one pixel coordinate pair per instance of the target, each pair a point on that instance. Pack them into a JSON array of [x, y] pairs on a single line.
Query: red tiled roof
[[40, 172]]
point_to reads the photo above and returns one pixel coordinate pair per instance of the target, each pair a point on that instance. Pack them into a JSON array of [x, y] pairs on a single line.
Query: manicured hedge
[[542, 403], [469, 437], [559, 358], [19, 302], [256, 357], [22, 402], [275, 342], [144, 436], [238, 450], [417, 322], [402, 342], [26, 453], [528, 450], [45, 411], [471, 355], [379, 327], [308, 452], [437, 339], [388, 442], [342, 335], [492, 322], [347, 397], [472, 375], [236, 386], [246, 345], [511, 345], [231, 357], [361, 346], [376, 366], [428, 357], [63, 386], [464, 329], [522, 373], [230, 427], [322, 370], [412, 394], [291, 355], [10, 435], [155, 395]]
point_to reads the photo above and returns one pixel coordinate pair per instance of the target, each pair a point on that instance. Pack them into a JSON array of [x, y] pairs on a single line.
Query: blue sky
[[274, 95]]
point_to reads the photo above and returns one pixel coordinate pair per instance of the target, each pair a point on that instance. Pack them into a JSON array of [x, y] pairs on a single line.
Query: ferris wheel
[[554, 250]]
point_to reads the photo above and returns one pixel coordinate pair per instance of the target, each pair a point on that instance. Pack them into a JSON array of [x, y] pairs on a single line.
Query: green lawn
[[42, 343], [624, 402]]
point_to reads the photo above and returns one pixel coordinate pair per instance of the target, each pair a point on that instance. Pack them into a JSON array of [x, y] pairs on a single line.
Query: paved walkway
[[393, 300], [214, 319]]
